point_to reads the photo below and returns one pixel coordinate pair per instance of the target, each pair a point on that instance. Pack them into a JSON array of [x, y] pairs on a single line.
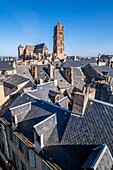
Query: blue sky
[[88, 25]]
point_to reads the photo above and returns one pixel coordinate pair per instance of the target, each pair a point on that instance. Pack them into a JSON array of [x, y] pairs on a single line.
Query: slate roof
[[6, 65], [42, 90], [93, 157], [101, 69], [90, 72], [45, 127], [36, 113], [33, 117], [78, 78], [73, 135], [42, 71], [22, 99], [80, 63], [15, 80], [40, 46], [61, 81], [69, 157], [40, 110], [11, 83], [95, 127], [24, 71], [30, 47]]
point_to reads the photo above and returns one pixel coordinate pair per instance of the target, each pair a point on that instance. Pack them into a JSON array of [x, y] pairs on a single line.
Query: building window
[[14, 139], [22, 147], [8, 131], [23, 166], [61, 50], [10, 153], [31, 157], [18, 163]]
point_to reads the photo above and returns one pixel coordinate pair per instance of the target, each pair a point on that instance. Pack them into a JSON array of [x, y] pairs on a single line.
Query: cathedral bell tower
[[21, 52], [58, 41]]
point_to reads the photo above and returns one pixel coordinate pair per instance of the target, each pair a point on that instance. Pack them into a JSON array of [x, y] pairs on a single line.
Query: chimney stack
[[72, 76], [55, 82], [51, 71], [79, 103]]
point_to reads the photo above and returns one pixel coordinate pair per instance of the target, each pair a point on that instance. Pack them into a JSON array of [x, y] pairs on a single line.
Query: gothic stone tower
[[20, 51], [58, 41]]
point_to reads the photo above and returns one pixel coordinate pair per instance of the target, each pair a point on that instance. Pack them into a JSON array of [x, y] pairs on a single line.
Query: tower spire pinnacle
[[58, 22]]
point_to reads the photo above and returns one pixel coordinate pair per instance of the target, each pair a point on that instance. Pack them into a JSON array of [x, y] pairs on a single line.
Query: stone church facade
[[39, 51]]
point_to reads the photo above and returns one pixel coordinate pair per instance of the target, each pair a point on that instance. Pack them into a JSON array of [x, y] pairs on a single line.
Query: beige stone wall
[[3, 99], [9, 72], [23, 157], [20, 52]]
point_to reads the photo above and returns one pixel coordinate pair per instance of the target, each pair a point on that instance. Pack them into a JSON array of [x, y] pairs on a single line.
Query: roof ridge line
[[102, 102], [20, 105], [49, 117], [61, 99]]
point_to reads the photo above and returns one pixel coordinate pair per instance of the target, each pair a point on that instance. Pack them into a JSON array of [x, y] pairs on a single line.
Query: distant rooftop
[[6, 65], [15, 80], [78, 63]]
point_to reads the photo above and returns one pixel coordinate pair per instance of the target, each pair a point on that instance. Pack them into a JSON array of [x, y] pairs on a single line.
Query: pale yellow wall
[[3, 99]]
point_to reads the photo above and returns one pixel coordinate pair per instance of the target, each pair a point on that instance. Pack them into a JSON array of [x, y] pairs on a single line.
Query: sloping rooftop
[[79, 63], [73, 138], [98, 153], [95, 127], [22, 99], [24, 71], [62, 82], [42, 72], [78, 78], [6, 65], [90, 71], [15, 80], [42, 90], [40, 46], [30, 47], [69, 157], [101, 69], [40, 110]]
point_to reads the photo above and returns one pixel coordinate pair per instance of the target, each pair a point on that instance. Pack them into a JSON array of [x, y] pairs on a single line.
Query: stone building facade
[[39, 52], [58, 41]]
